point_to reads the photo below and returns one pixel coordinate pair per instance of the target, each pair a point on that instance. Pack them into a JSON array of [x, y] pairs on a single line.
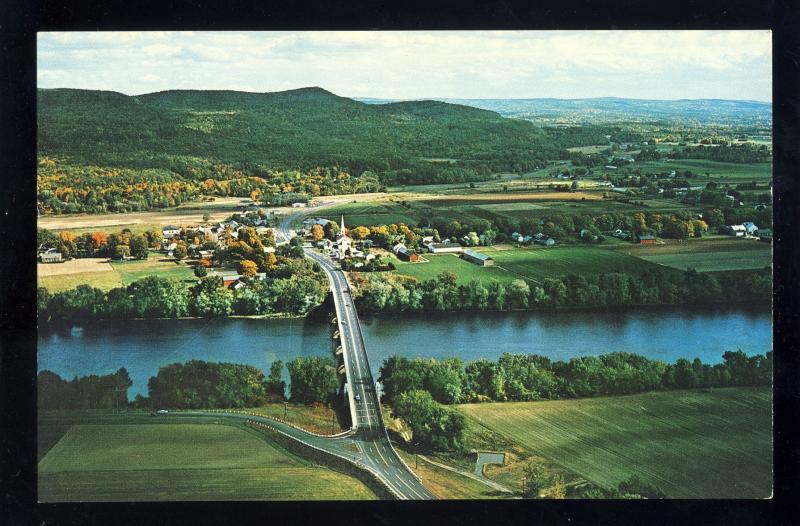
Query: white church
[[343, 246]]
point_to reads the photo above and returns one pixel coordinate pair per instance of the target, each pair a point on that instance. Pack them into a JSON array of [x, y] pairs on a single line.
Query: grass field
[[186, 461], [733, 172], [445, 484], [706, 255], [691, 444], [531, 264], [111, 275], [320, 419]]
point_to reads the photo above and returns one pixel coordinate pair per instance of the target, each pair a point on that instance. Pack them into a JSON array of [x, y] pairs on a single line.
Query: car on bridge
[[358, 397]]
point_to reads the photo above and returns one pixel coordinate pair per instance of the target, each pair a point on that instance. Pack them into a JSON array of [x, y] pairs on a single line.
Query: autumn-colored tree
[[271, 260], [67, 236], [255, 195], [360, 232], [248, 268], [99, 239], [317, 233]]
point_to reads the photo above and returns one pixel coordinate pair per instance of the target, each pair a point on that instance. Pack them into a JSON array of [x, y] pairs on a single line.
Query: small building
[[170, 231], [398, 247], [427, 239], [405, 254], [646, 239], [445, 248], [51, 256], [546, 241], [473, 256], [298, 205], [735, 230], [750, 228]]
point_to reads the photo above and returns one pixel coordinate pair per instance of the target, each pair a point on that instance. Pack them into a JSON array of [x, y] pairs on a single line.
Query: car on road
[[162, 412], [358, 398]]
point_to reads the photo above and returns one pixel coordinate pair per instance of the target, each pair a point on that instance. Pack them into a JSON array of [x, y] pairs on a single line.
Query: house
[[548, 242], [516, 236], [206, 254], [407, 255], [734, 230], [444, 248], [750, 228], [170, 231], [398, 247], [427, 239], [646, 239], [271, 250], [50, 256], [473, 256]]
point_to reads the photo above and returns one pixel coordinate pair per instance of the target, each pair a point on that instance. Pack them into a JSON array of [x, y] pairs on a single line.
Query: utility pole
[[285, 409]]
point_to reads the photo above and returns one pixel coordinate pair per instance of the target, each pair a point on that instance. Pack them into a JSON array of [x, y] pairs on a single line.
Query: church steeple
[[341, 227]]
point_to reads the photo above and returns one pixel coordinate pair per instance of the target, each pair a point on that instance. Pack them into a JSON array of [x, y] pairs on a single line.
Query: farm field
[[99, 273], [706, 255], [531, 264], [691, 444], [729, 172], [182, 462]]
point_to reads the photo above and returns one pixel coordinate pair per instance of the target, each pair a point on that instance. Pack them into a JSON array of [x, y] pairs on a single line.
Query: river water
[[142, 346]]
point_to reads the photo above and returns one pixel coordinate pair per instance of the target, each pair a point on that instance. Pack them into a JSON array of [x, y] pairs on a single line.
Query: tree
[[535, 480], [434, 427], [275, 384], [180, 251], [200, 271], [317, 233], [248, 268], [138, 247], [206, 217], [312, 379], [198, 384]]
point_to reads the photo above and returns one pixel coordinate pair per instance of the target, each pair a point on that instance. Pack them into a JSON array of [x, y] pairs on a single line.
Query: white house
[[736, 230], [51, 256], [170, 231]]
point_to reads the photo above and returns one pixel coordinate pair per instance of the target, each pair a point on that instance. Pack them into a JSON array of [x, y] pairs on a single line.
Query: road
[[367, 444], [370, 433]]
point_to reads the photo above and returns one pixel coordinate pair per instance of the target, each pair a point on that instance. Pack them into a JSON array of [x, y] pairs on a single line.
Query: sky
[[418, 64]]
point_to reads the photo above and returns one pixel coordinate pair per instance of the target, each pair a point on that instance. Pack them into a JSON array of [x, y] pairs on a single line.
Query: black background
[[19, 21]]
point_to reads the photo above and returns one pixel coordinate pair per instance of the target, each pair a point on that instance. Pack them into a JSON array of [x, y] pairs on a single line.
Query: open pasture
[[706, 255], [105, 275], [531, 264], [718, 171], [208, 461], [690, 444]]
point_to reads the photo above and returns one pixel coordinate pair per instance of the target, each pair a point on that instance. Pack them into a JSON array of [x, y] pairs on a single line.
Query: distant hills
[[609, 109], [290, 129]]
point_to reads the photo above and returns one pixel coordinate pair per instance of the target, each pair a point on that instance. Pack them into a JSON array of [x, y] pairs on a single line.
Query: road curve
[[368, 433]]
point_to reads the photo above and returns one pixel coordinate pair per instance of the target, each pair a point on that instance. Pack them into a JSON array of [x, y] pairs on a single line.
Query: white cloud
[[496, 64]]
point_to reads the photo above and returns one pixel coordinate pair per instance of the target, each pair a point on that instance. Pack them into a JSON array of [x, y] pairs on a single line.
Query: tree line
[[529, 377], [155, 297], [397, 293], [196, 384]]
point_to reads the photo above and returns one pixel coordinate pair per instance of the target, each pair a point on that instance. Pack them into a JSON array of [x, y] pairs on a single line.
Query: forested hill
[[297, 129]]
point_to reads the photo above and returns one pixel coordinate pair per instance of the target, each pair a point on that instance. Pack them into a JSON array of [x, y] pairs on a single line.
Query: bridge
[[366, 445]]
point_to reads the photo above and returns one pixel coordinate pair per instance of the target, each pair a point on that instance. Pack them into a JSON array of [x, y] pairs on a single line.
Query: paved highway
[[369, 434], [367, 444]]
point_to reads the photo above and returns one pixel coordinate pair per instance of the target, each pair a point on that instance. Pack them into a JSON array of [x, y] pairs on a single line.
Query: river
[[142, 346]]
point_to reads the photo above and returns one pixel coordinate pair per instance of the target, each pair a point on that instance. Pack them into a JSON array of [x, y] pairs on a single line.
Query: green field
[[706, 255], [186, 461], [733, 172], [715, 261], [156, 265], [123, 273], [531, 264], [100, 280], [691, 444]]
